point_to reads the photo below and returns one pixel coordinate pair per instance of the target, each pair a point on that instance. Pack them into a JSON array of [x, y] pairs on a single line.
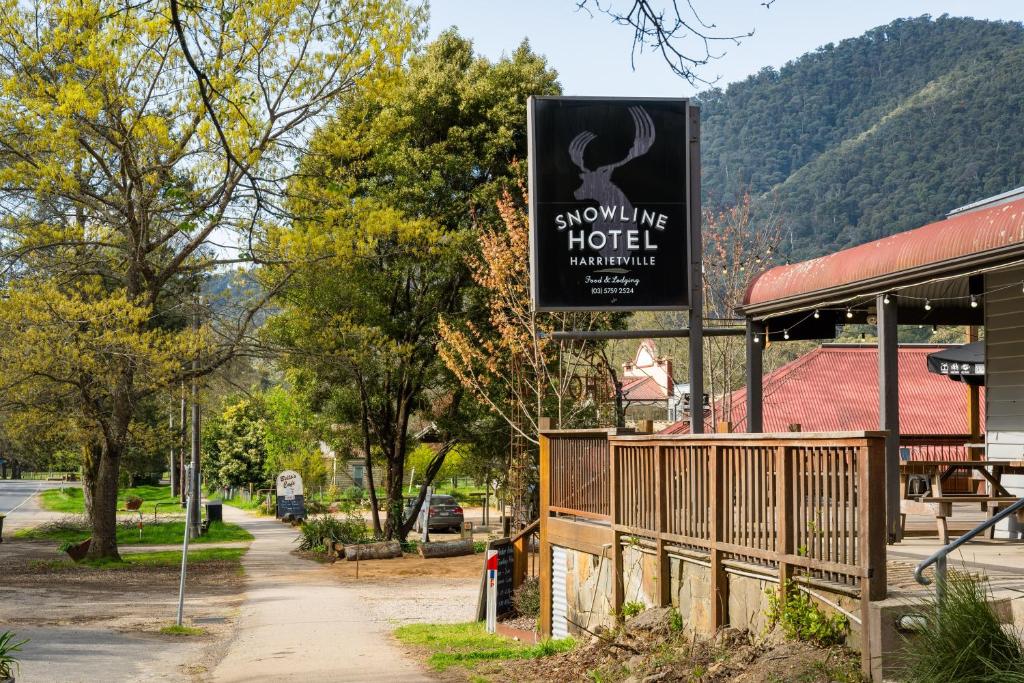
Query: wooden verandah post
[[889, 409]]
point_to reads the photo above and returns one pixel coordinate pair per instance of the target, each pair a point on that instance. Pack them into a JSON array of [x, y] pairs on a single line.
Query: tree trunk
[[100, 484], [396, 512], [371, 484]]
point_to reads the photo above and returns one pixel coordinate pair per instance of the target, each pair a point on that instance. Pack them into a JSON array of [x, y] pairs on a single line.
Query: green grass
[[963, 639], [164, 558], [153, 533], [255, 504], [469, 644], [176, 630], [72, 500]]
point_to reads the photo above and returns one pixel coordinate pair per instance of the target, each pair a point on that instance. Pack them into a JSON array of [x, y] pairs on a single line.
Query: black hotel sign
[[609, 209]]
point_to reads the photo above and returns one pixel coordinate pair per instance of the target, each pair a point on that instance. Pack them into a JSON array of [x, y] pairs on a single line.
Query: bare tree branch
[[673, 29]]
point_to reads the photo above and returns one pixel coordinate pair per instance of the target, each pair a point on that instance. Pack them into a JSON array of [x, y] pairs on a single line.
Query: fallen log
[[373, 551], [446, 548]]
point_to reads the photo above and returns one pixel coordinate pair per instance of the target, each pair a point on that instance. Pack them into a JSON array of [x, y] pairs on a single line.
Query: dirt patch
[[136, 601], [650, 650], [411, 566]]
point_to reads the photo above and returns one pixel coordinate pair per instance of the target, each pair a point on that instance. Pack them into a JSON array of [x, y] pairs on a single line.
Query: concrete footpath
[[298, 623]]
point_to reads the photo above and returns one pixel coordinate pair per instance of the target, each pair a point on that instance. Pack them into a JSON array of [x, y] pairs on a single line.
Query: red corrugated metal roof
[[974, 232], [643, 389], [835, 388]]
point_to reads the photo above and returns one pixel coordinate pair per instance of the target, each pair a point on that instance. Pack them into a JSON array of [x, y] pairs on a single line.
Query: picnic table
[[939, 503]]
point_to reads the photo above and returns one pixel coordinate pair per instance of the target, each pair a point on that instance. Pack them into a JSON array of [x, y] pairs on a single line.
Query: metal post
[[492, 590], [940, 580], [184, 549], [181, 445], [696, 278], [755, 376], [425, 514], [889, 410], [172, 468], [196, 494]]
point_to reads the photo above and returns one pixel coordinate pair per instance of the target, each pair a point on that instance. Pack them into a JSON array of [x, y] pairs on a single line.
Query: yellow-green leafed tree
[[143, 146]]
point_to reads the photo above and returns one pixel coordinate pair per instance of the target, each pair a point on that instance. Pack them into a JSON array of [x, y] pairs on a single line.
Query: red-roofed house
[[835, 388], [647, 384]]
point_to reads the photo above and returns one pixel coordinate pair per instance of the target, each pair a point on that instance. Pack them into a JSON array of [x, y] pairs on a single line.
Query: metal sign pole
[[696, 268], [184, 545]]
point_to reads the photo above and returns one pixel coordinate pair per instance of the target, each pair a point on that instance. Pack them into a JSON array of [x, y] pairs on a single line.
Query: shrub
[[675, 621], [315, 507], [962, 639], [9, 664], [526, 598], [632, 608], [349, 530], [801, 619], [354, 493]]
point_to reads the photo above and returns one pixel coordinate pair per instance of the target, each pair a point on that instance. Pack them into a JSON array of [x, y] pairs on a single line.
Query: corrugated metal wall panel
[[559, 599]]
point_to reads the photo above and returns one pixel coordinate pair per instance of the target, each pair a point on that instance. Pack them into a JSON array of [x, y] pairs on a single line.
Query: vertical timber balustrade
[[889, 410], [784, 520]]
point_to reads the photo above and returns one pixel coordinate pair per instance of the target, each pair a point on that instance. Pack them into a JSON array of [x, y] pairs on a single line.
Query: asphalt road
[[18, 502]]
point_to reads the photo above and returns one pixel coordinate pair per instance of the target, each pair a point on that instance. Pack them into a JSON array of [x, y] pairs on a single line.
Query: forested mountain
[[874, 135]]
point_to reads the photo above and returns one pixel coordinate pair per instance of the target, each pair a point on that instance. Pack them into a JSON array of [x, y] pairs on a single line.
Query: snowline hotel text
[[636, 238]]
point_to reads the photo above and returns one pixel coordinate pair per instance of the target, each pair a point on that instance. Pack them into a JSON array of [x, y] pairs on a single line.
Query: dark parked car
[[445, 514]]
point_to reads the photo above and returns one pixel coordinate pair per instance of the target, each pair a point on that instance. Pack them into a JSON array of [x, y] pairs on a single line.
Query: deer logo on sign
[[597, 184]]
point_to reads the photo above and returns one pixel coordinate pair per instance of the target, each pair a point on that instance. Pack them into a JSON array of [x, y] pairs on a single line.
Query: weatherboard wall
[[1004, 379]]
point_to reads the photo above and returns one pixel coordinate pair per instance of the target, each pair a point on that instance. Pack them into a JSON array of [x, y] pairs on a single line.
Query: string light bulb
[[816, 314], [974, 301], [885, 299], [757, 338], [785, 334], [849, 312], [927, 305]]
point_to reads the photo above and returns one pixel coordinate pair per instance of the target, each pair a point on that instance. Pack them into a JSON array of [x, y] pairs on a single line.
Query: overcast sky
[[592, 55]]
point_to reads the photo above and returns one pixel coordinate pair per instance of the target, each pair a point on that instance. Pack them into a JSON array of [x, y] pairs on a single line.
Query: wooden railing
[[580, 483], [525, 545], [786, 501], [811, 504]]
